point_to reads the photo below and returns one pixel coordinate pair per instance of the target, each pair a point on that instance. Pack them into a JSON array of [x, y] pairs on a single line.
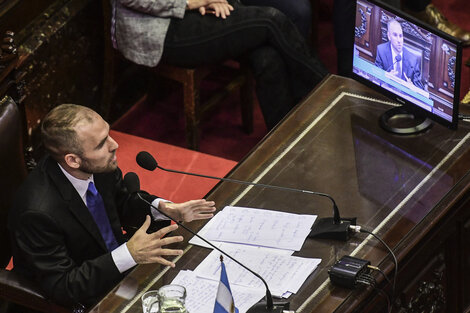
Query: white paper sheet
[[258, 227], [283, 273]]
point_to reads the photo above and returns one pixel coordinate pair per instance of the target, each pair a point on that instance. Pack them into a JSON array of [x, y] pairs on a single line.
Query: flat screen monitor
[[415, 65]]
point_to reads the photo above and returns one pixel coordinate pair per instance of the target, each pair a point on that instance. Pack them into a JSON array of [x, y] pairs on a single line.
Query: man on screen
[[393, 57]]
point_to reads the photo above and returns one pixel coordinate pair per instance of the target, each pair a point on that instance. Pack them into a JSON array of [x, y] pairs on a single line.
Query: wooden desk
[[411, 191]]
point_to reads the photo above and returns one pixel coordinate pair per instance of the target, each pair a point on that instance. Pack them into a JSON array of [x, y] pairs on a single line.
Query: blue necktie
[[96, 207], [399, 69]]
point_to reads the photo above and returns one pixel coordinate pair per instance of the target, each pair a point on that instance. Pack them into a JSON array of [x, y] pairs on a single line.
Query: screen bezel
[[407, 104]]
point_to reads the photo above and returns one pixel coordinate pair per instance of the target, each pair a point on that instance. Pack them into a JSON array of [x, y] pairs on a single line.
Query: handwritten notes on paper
[[283, 273], [262, 240], [258, 227], [201, 293]]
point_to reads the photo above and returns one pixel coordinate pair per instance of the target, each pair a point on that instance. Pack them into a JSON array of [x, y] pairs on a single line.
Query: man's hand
[[196, 4], [188, 211], [406, 78], [147, 248], [218, 9]]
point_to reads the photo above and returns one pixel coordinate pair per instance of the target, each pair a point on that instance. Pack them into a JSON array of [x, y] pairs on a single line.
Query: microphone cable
[[360, 229]]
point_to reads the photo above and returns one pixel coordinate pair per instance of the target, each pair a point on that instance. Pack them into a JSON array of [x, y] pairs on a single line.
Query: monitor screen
[[414, 64]]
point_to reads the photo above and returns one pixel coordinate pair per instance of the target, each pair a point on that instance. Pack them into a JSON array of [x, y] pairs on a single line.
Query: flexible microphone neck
[[397, 59], [336, 215], [269, 298]]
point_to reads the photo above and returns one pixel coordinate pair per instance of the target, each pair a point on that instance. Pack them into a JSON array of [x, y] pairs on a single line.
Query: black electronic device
[[347, 271], [412, 63]]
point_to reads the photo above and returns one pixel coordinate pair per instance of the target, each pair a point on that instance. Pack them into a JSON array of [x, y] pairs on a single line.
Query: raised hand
[[148, 248]]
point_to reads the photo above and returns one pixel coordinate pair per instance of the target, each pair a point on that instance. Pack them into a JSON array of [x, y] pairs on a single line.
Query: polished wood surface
[[404, 189]]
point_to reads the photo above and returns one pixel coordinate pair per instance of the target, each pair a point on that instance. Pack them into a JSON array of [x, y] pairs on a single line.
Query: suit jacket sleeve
[[383, 56], [413, 69]]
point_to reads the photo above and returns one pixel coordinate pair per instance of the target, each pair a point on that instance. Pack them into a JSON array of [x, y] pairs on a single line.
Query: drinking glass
[[150, 302], [172, 299]]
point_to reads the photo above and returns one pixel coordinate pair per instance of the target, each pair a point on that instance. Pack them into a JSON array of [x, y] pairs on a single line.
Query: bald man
[[393, 57]]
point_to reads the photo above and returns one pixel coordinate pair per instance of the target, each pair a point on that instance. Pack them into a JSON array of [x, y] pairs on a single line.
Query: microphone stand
[[335, 227], [260, 307]]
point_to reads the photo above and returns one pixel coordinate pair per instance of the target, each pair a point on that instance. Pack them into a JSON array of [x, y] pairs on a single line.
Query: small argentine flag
[[224, 300]]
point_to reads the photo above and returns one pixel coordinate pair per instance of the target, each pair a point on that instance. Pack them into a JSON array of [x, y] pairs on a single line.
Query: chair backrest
[[12, 167]]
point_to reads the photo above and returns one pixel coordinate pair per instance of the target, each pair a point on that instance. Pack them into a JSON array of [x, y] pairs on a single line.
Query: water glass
[[150, 302], [172, 299]]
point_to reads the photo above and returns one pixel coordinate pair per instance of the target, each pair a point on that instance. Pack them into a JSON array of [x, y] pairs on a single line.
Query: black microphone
[[397, 59], [132, 183], [327, 228]]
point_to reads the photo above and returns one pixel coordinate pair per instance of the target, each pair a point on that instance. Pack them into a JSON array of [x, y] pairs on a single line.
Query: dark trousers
[[284, 67], [298, 11]]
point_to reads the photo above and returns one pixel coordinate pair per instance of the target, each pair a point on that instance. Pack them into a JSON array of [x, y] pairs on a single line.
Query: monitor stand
[[399, 121]]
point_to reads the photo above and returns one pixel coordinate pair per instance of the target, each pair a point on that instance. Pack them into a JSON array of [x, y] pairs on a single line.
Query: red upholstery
[[171, 186]]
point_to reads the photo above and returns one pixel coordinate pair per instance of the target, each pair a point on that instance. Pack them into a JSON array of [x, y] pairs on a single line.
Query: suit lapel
[[76, 205]]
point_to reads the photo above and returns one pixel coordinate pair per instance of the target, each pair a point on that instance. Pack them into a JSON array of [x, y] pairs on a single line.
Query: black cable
[[362, 230], [387, 297], [363, 281], [375, 268]]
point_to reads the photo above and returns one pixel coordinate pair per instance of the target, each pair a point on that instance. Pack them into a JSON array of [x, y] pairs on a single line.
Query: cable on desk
[[369, 280], [357, 228], [375, 268]]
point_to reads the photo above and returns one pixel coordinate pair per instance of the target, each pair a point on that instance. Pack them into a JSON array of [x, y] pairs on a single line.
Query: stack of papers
[[257, 227], [284, 274], [263, 241]]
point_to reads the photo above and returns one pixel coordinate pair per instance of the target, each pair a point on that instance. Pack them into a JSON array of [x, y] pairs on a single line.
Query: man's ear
[[72, 160]]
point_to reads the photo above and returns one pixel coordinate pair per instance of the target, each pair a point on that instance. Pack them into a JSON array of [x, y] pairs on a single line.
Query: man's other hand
[[189, 211], [148, 248], [218, 9], [196, 4]]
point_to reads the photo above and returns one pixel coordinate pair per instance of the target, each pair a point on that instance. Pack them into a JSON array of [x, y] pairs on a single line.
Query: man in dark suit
[[66, 221], [393, 57]]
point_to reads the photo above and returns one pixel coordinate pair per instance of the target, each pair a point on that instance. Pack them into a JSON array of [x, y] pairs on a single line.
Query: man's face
[[395, 35], [98, 148]]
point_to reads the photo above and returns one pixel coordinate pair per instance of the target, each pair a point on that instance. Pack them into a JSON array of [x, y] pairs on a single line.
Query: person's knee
[[266, 62], [274, 14], [301, 12]]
